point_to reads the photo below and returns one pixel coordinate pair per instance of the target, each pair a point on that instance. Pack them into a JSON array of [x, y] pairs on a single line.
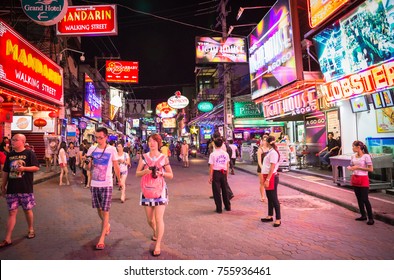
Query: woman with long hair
[[261, 152], [155, 207], [124, 163], [269, 170], [63, 163], [360, 165], [72, 157]]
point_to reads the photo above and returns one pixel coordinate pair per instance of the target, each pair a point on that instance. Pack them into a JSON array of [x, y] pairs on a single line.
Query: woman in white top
[[124, 163], [361, 164], [63, 163], [269, 171], [261, 152]]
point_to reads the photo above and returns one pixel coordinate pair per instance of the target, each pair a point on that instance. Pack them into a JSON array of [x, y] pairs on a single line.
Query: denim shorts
[[26, 200], [101, 197]]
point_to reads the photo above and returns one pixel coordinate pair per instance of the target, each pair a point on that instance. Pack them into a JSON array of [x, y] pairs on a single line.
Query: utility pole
[[228, 110]]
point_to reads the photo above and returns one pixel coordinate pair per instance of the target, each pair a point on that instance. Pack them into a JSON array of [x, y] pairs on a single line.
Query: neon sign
[[272, 61], [373, 79], [24, 67], [319, 11], [92, 100], [121, 71], [216, 49]]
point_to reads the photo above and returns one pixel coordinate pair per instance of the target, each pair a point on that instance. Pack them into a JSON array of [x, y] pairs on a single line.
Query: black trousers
[[273, 201], [363, 201], [219, 190], [71, 162]]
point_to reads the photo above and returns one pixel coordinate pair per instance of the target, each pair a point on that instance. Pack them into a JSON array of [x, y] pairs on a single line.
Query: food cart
[[379, 161]]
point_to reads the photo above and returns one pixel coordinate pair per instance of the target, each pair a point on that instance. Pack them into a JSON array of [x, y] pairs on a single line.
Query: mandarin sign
[[117, 71], [25, 68], [300, 102], [372, 79], [89, 20]]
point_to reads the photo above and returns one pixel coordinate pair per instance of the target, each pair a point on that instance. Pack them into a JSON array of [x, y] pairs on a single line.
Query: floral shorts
[[26, 200]]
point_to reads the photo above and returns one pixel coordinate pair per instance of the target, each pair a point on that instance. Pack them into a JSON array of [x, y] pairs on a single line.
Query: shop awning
[[214, 117]]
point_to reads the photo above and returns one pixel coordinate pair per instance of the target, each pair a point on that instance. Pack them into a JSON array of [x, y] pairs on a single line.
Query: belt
[[221, 171]]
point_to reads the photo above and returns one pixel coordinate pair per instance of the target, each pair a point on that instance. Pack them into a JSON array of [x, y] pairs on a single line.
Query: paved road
[[67, 227]]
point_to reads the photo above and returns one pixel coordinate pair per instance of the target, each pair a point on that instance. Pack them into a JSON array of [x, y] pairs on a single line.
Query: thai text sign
[[373, 79], [89, 20], [218, 49], [24, 67], [300, 102], [272, 62], [247, 110], [319, 11], [117, 71]]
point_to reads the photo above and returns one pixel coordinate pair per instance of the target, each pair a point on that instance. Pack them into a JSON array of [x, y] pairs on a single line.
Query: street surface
[[67, 227]]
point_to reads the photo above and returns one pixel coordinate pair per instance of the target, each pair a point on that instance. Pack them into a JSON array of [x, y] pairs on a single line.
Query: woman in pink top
[[361, 164]]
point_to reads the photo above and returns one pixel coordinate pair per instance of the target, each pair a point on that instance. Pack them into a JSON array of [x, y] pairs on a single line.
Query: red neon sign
[[121, 71], [89, 20], [24, 67]]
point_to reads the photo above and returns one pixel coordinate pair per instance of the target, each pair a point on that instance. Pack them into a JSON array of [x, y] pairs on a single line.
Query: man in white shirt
[[234, 155]]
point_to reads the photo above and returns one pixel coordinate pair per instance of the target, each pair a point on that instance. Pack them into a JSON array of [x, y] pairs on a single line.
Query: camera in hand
[[153, 168], [88, 160]]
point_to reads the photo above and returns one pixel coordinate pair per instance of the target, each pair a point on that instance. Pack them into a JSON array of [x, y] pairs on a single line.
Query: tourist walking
[[124, 164], [72, 157], [63, 164]]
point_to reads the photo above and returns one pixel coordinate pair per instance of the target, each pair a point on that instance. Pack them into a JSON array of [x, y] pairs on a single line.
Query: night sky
[[165, 50]]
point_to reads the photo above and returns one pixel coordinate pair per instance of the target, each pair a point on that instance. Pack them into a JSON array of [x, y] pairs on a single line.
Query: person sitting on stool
[[330, 150]]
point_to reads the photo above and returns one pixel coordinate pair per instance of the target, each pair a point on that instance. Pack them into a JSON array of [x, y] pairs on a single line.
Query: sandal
[[30, 235], [108, 230], [154, 238], [100, 246], [5, 243], [155, 253]]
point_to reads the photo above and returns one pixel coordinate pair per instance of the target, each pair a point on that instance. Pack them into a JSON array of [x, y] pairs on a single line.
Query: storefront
[[31, 90]]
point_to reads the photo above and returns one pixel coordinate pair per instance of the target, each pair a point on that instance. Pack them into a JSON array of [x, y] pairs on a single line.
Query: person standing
[[17, 186], [72, 157], [261, 153], [63, 163], [360, 165], [155, 207], [269, 170], [165, 150], [185, 153], [101, 160], [124, 164], [172, 148], [218, 170], [5, 145], [234, 155]]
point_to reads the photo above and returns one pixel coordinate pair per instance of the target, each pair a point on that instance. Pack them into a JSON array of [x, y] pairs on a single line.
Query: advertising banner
[[137, 106], [117, 71], [272, 51], [319, 11], [25, 68], [163, 110], [89, 20], [92, 102], [219, 50], [315, 129], [169, 122], [361, 39]]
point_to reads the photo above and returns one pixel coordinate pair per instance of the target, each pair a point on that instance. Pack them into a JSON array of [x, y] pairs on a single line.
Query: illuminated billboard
[[319, 10], [218, 49], [25, 68], [117, 71], [92, 102], [361, 39], [273, 61], [169, 122], [163, 110], [89, 20]]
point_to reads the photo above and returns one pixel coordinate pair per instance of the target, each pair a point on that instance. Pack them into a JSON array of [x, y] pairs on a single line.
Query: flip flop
[[153, 238], [108, 230], [30, 235], [100, 246], [5, 243], [155, 253]]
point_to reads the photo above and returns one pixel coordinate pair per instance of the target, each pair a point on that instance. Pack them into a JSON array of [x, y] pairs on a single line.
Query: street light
[[60, 54], [242, 9], [231, 28]]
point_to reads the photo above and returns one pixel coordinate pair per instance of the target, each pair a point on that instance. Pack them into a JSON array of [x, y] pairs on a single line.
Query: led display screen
[[92, 102], [359, 40], [217, 49], [272, 61]]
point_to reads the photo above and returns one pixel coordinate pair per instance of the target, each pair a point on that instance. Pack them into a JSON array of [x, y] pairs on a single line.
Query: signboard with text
[[45, 12], [218, 49], [89, 20], [25, 68], [92, 102], [274, 54], [117, 71], [247, 110], [319, 11]]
